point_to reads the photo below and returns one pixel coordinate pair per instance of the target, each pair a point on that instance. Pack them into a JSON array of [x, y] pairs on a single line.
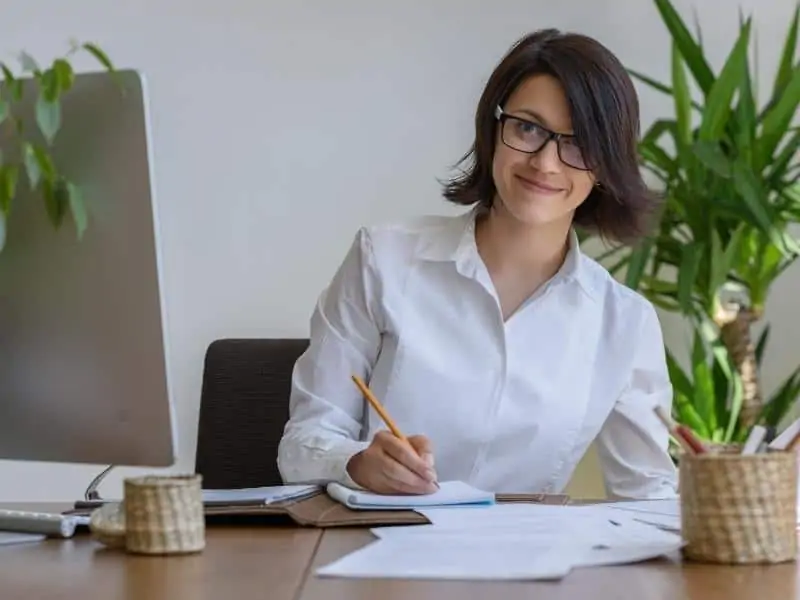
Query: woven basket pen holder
[[739, 509], [159, 515]]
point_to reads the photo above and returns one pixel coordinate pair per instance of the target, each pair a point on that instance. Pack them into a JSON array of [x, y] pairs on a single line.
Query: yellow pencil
[[379, 408]]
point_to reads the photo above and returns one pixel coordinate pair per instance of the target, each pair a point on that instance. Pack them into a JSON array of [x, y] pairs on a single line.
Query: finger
[[423, 447], [406, 455], [402, 479]]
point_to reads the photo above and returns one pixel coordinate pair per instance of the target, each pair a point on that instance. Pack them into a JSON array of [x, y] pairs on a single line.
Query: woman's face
[[539, 188]]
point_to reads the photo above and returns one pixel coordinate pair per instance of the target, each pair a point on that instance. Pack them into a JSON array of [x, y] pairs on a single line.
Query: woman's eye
[[527, 128]]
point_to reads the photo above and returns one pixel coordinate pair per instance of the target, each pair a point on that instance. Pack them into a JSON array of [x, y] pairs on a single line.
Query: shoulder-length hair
[[605, 118]]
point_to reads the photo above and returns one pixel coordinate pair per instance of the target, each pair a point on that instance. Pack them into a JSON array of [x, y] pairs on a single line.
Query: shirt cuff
[[339, 456]]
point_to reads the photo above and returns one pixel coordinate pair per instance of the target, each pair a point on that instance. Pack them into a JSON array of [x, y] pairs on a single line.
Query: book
[[450, 493]]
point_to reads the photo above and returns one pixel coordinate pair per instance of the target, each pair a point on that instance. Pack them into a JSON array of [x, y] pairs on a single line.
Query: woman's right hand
[[391, 466]]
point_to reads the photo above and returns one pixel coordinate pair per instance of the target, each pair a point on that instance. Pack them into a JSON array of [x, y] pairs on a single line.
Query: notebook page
[[449, 493]]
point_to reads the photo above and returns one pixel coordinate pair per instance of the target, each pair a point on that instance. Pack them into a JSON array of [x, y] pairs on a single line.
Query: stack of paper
[[661, 513], [257, 496], [506, 541], [450, 493]]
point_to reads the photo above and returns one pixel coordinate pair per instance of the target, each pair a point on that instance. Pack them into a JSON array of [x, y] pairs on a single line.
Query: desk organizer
[[739, 509], [158, 515]]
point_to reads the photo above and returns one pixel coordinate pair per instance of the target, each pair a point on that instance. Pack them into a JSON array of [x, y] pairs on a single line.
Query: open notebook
[[450, 493]]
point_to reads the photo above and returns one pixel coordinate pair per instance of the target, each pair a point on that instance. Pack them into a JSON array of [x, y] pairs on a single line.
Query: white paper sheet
[[553, 525], [545, 552], [661, 513], [542, 541], [259, 495], [452, 558], [449, 493]]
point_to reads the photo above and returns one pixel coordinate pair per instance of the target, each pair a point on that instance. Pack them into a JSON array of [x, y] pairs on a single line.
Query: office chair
[[244, 406]]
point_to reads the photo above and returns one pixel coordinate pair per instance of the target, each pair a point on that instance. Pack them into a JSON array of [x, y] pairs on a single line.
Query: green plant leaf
[[748, 186], [64, 74], [688, 274], [737, 397], [77, 207], [686, 413], [704, 398], [48, 118], [746, 121], [46, 167], [680, 381], [9, 174], [782, 400], [56, 200], [784, 71], [689, 49], [100, 55], [12, 83], [778, 168], [712, 156], [48, 86], [5, 110], [637, 262], [777, 119], [28, 63], [718, 100], [682, 99], [657, 85], [31, 162]]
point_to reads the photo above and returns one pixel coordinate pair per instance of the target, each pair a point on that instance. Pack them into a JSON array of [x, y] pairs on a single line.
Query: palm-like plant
[[729, 169]]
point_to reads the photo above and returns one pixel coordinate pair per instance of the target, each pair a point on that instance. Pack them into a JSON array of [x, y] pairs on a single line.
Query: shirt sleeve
[[326, 410], [633, 443]]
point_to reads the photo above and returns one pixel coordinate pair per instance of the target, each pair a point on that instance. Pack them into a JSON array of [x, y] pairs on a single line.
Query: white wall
[[280, 127]]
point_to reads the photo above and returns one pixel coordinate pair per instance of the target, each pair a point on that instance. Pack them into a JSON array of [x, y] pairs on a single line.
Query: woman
[[495, 344]]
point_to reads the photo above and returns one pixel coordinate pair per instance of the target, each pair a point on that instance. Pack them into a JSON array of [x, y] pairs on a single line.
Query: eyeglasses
[[529, 137]]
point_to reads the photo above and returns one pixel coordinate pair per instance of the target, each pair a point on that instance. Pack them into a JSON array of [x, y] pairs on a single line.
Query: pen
[[681, 433]]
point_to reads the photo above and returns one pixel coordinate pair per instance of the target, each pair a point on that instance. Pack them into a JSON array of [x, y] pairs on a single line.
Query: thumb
[[423, 447]]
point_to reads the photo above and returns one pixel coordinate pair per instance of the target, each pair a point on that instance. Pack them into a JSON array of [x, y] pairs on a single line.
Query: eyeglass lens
[[529, 137]]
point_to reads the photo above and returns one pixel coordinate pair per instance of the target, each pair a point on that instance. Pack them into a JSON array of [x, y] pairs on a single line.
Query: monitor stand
[[91, 497]]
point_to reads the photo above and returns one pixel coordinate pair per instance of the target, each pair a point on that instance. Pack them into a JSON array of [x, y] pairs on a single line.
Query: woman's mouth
[[538, 186]]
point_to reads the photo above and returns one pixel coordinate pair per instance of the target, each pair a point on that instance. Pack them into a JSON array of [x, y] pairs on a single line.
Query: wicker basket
[[739, 509], [164, 515]]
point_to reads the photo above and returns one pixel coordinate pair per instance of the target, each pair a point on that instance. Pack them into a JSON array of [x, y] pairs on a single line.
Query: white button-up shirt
[[508, 406]]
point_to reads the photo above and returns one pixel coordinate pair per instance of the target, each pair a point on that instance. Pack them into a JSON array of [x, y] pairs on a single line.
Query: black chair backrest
[[244, 406]]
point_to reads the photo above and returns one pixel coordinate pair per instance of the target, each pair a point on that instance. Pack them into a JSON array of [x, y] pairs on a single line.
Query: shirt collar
[[455, 241]]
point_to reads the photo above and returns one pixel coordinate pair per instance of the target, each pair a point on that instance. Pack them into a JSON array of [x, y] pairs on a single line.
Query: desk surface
[[278, 562]]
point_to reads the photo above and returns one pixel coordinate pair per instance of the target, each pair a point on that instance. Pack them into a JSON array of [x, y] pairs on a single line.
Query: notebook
[[258, 496], [450, 493]]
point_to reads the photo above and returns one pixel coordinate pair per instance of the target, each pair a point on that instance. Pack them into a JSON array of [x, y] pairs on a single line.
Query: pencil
[[682, 434], [379, 408]]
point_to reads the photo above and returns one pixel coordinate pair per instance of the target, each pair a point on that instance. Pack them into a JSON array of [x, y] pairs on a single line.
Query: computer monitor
[[83, 352]]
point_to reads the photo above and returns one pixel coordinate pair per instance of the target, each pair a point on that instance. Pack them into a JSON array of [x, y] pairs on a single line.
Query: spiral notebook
[[450, 493]]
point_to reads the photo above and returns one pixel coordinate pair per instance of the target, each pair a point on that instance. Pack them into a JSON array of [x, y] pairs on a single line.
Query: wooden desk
[[278, 562], [237, 563]]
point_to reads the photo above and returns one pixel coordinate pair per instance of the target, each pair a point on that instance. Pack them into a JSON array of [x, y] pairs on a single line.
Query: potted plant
[[30, 153], [729, 170]]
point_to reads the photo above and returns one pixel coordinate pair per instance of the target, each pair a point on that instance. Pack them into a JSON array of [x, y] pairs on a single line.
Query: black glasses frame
[[503, 116]]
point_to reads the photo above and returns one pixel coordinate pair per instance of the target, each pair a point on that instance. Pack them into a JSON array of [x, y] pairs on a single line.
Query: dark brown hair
[[605, 118]]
